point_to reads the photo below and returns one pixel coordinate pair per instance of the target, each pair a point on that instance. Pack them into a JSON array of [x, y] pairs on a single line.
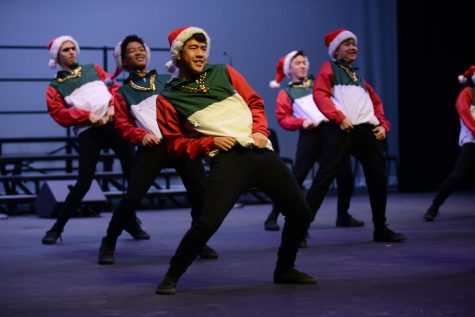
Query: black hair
[[299, 53], [200, 37], [128, 39]]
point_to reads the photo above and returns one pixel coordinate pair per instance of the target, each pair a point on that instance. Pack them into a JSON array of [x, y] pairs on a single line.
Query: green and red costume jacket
[[225, 105], [136, 106], [295, 104], [338, 95], [465, 105], [72, 96]]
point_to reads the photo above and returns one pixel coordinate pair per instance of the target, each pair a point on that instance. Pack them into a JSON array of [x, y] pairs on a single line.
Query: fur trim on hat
[[177, 45], [340, 38]]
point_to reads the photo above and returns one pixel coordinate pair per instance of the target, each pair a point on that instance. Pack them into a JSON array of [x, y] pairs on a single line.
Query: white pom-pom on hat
[[469, 73], [52, 63], [274, 84], [109, 81], [462, 79], [170, 66]]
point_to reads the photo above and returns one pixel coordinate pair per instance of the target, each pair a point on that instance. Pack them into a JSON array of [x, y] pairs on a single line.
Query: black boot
[[384, 234], [431, 213], [51, 236], [167, 286], [293, 276], [106, 252], [271, 222], [347, 221], [135, 230]]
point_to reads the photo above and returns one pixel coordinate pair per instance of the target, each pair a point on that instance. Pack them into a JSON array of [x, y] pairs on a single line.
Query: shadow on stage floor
[[432, 274]]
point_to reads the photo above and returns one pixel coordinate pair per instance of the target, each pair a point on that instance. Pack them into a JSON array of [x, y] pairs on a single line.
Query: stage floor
[[432, 274]]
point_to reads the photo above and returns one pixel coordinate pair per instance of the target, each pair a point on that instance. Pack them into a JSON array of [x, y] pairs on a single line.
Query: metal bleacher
[[22, 175]]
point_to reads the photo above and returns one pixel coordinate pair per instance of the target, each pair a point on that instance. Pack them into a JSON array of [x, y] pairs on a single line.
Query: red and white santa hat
[[55, 44], [283, 68], [117, 54], [335, 38], [177, 39], [469, 73]]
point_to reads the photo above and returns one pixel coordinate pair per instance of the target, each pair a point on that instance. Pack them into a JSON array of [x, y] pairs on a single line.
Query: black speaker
[[53, 194]]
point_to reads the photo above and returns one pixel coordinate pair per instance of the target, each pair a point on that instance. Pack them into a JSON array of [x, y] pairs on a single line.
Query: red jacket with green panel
[[72, 96], [338, 96], [190, 120], [135, 106]]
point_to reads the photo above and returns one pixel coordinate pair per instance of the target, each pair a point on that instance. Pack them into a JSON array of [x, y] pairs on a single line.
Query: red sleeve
[[63, 115], [284, 113], [463, 103], [125, 123], [378, 107], [172, 129], [322, 93], [103, 75], [252, 99]]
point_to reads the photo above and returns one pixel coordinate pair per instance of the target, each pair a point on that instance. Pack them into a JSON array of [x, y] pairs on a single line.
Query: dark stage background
[[435, 45]]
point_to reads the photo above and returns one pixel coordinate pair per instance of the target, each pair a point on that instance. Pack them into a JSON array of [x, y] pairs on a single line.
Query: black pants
[[147, 166], [309, 151], [362, 144], [231, 174], [91, 142], [462, 174]]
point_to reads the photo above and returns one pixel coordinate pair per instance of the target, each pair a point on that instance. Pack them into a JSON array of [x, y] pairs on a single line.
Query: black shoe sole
[[48, 242], [141, 237], [307, 282], [390, 240], [106, 262], [165, 291]]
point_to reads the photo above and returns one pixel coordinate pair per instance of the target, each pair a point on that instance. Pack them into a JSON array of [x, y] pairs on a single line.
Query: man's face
[[193, 57], [346, 51], [298, 69], [68, 55], [135, 57]]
